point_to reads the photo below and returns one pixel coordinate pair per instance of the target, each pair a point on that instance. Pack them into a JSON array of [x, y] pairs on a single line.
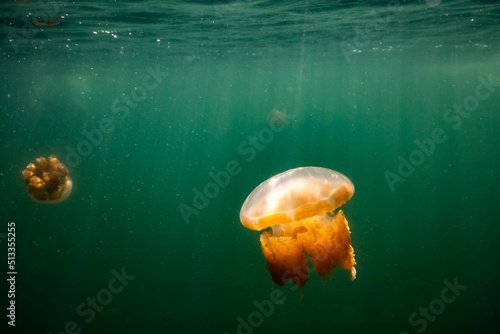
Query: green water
[[423, 218]]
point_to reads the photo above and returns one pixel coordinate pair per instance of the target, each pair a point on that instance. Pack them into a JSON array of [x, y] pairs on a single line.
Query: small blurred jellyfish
[[47, 180]]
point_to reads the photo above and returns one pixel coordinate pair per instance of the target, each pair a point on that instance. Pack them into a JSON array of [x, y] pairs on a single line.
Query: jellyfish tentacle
[[285, 259]]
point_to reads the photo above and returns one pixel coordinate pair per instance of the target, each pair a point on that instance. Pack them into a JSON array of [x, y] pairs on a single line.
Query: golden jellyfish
[[48, 180], [299, 208]]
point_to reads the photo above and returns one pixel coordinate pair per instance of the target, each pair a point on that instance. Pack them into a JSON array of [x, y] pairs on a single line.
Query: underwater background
[[148, 101]]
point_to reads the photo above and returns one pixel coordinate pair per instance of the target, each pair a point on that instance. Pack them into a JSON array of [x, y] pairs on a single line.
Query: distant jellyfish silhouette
[[45, 22], [298, 205], [280, 117], [47, 180]]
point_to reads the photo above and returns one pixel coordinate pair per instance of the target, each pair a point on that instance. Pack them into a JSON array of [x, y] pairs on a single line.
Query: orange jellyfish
[[48, 180], [299, 206]]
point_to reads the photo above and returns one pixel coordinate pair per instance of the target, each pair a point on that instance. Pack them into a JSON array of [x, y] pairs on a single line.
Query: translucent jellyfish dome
[[294, 195]]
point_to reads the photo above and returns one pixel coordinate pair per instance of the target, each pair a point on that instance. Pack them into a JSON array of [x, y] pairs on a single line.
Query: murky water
[[147, 103]]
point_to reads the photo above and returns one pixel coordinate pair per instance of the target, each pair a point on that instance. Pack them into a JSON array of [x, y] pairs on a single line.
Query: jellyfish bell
[[47, 180], [293, 195], [300, 206]]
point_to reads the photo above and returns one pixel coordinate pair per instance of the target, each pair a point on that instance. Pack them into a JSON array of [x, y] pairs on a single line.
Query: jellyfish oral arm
[[326, 240]]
